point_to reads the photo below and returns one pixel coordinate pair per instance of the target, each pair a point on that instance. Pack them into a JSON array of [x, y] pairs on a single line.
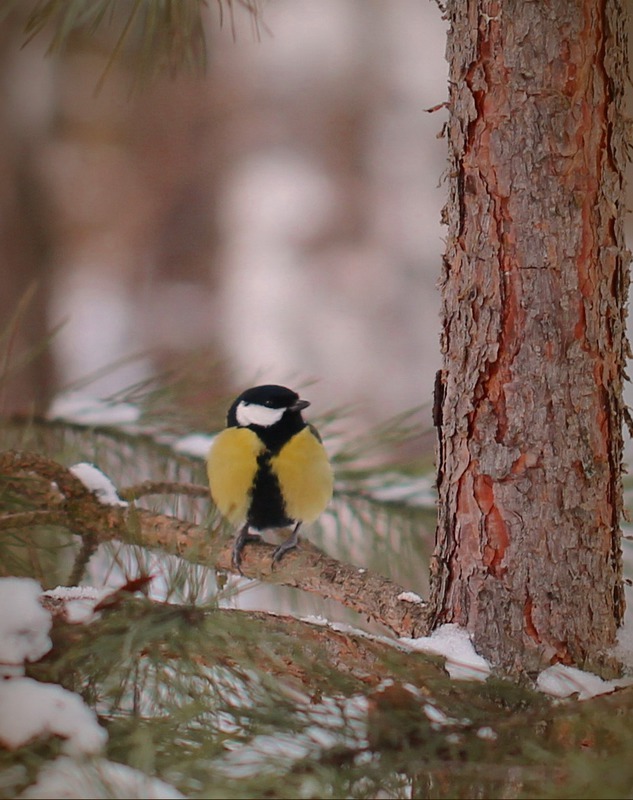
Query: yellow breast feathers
[[305, 476], [231, 467]]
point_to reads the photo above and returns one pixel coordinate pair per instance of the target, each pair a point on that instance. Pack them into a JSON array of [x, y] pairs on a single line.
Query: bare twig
[[12, 461], [163, 487], [88, 546], [24, 519]]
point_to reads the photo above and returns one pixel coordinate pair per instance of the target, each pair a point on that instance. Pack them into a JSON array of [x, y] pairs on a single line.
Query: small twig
[[12, 461], [24, 519], [437, 107], [88, 546], [163, 487]]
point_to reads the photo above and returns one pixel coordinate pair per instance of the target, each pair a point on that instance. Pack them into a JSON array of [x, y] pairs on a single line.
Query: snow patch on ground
[[562, 681], [453, 642], [464, 663]]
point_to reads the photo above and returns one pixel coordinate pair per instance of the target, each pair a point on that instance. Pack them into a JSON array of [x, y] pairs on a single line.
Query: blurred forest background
[[277, 219]]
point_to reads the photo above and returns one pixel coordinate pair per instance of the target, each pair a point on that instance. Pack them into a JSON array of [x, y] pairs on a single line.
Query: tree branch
[[307, 568], [350, 652]]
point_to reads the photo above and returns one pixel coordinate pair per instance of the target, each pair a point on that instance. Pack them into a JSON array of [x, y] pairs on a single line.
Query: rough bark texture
[[534, 295]]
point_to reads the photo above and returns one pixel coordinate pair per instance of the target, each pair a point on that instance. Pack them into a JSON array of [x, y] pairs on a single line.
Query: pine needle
[[161, 35]]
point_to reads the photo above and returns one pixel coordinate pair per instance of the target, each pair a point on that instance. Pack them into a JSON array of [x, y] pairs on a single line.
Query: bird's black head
[[266, 408]]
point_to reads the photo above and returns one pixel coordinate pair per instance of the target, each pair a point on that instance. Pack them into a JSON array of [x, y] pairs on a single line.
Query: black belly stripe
[[267, 506]]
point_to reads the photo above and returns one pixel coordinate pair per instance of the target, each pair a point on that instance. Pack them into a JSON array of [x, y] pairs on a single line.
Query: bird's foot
[[242, 538], [289, 544]]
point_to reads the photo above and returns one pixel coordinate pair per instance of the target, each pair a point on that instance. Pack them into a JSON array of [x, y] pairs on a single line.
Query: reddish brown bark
[[534, 291]]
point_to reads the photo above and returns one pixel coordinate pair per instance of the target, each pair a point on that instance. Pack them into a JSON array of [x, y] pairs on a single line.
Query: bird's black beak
[[299, 405]]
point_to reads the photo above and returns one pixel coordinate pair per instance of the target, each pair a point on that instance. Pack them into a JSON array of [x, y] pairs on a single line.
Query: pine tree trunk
[[534, 293]]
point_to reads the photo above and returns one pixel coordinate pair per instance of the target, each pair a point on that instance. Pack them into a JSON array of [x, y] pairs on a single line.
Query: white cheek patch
[[252, 414]]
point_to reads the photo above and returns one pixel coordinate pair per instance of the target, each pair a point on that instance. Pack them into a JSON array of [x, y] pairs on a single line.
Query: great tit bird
[[268, 467]]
